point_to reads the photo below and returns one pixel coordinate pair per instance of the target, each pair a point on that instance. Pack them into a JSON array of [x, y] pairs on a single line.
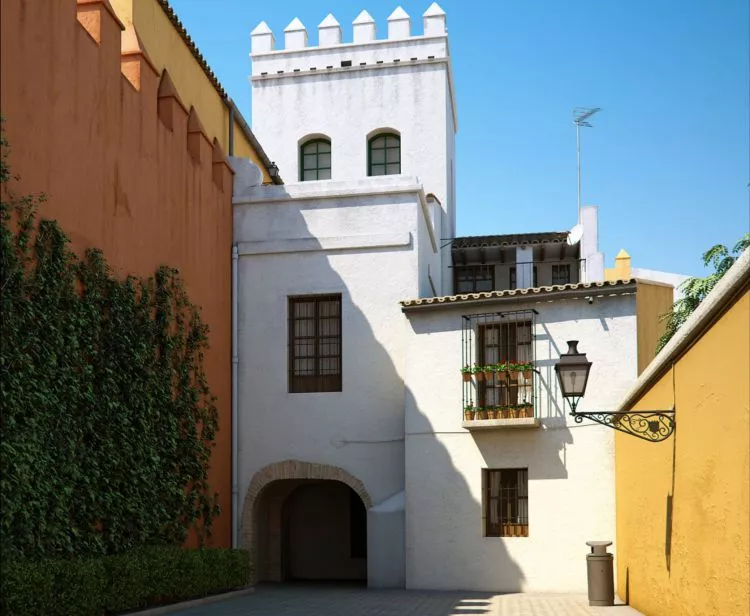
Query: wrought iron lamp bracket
[[651, 426]]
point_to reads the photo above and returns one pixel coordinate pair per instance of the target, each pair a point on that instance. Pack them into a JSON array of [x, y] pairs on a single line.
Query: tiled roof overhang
[[517, 239], [565, 291]]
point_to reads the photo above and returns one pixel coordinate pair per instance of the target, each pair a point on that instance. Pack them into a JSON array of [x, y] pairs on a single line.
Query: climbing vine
[[106, 417]]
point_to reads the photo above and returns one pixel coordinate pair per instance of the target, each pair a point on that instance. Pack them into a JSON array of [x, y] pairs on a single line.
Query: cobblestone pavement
[[312, 600]]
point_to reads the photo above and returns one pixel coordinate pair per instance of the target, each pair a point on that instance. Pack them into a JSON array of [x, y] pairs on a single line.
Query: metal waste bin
[[599, 565]]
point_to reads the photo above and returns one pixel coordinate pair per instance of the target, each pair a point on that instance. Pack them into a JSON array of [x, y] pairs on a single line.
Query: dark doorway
[[322, 532]]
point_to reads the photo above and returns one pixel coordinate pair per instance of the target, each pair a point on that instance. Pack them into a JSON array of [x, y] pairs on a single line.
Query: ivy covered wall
[[106, 417]]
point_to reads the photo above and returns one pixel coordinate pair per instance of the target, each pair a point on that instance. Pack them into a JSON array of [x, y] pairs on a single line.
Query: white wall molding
[[324, 244]]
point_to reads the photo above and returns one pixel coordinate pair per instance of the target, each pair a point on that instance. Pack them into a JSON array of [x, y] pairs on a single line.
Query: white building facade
[[353, 459]]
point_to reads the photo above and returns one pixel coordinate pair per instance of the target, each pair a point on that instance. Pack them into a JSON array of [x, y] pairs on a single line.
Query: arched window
[[315, 160], [384, 154]]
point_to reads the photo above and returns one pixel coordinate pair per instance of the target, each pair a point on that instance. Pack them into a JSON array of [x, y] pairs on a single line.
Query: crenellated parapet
[[364, 50]]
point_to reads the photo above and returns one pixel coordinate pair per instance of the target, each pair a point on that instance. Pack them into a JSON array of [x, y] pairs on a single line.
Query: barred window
[[506, 502], [474, 278], [315, 343], [384, 155], [561, 274], [315, 160]]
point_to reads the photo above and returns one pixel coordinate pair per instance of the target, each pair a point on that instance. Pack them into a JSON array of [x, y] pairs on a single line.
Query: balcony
[[507, 262], [497, 371]]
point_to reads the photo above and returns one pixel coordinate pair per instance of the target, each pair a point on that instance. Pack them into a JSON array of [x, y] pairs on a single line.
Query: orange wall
[[116, 177]]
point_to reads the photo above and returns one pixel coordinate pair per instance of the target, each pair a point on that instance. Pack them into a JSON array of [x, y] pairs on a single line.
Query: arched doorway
[[306, 521]]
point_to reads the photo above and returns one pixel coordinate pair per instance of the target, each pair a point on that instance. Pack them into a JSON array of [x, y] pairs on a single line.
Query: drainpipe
[[231, 128], [235, 393]]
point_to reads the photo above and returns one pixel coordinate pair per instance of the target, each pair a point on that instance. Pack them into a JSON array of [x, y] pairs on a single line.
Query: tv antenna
[[581, 116]]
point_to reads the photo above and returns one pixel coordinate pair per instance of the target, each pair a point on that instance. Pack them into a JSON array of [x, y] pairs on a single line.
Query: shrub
[[114, 584]]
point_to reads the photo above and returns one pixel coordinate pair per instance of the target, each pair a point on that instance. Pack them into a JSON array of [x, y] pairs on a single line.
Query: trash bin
[[599, 565]]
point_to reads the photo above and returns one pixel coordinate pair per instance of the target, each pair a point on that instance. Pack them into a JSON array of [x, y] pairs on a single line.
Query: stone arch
[[289, 469]]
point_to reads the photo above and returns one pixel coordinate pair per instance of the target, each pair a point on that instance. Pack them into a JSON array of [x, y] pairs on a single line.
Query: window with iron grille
[[561, 274], [315, 343], [513, 284], [506, 502], [315, 160], [474, 278], [504, 342], [384, 155]]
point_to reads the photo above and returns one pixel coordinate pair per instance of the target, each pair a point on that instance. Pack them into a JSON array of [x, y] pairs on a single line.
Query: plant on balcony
[[478, 371], [525, 409], [469, 411], [501, 372], [512, 370], [526, 368], [481, 412], [489, 372], [466, 372], [493, 412]]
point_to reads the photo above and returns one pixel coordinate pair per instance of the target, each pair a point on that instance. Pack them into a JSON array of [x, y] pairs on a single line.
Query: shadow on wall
[[360, 429]]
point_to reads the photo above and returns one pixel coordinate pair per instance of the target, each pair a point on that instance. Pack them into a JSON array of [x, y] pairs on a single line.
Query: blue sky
[[668, 161]]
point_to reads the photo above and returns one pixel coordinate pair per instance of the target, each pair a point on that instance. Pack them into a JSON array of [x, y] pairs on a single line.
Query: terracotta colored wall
[[166, 49], [116, 177], [683, 505]]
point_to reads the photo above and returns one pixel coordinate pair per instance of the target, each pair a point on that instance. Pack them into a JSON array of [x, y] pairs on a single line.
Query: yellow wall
[[651, 302], [166, 49], [696, 561]]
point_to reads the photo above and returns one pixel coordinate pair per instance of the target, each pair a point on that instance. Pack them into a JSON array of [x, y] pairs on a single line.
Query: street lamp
[[573, 376]]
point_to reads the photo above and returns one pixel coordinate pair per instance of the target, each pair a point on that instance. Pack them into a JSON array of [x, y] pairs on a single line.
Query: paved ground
[[311, 600]]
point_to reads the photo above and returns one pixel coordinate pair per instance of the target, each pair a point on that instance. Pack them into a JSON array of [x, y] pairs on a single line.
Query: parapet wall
[[365, 50]]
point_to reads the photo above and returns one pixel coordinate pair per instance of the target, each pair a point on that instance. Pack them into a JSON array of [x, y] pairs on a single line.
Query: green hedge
[[114, 584]]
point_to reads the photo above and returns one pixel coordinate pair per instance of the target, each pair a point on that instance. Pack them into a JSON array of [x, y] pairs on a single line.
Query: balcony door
[[504, 342]]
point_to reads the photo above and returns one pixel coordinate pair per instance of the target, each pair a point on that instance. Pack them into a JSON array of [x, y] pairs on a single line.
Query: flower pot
[[526, 411], [466, 376], [502, 377], [505, 413], [492, 413], [481, 414], [468, 415], [479, 375], [513, 375], [488, 374], [527, 375]]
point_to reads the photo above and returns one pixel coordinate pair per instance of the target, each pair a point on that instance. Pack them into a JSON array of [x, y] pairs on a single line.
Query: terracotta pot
[[502, 377], [513, 375], [488, 375], [505, 413], [492, 413], [479, 375], [481, 414], [526, 411], [466, 377], [527, 375], [468, 415]]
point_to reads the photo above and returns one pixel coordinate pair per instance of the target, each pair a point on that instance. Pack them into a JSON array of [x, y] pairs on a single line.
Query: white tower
[[349, 92]]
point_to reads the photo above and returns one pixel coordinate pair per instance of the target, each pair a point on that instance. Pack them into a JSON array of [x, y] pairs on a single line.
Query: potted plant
[[481, 412], [525, 409], [493, 411], [513, 370], [501, 372], [469, 411], [478, 371], [526, 368], [504, 412], [489, 372], [466, 372]]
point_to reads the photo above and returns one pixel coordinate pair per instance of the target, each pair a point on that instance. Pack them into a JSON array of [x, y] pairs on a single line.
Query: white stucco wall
[[362, 239], [571, 466], [402, 84]]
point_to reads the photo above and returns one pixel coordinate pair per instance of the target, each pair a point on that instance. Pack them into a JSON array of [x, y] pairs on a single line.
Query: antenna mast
[[580, 118]]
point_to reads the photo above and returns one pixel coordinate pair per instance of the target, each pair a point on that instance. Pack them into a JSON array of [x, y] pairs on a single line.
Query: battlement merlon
[[400, 46]]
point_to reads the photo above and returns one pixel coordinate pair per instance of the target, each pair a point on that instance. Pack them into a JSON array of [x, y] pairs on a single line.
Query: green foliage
[[106, 417], [114, 584], [695, 290]]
